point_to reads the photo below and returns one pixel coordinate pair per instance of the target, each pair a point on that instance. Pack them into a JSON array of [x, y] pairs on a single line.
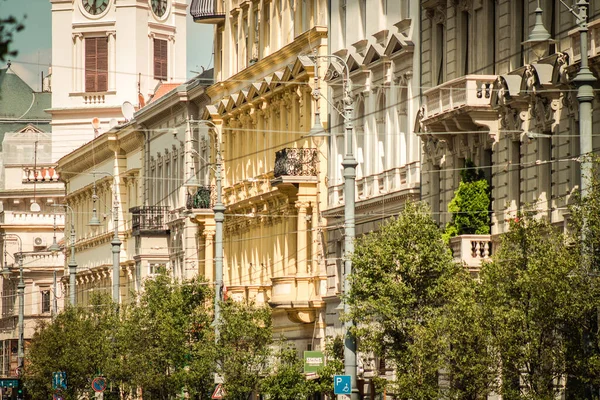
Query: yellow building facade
[[274, 175]]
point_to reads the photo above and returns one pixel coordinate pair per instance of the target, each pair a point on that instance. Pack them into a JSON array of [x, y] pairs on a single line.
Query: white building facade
[[108, 52], [379, 42]]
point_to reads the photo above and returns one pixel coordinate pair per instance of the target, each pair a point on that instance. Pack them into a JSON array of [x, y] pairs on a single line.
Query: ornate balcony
[[466, 91], [149, 220], [471, 250], [296, 162], [207, 11], [204, 198]]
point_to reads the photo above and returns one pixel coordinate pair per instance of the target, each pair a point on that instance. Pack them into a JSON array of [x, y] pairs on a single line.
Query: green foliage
[[287, 381], [79, 342], [244, 343], [8, 26], [162, 340], [470, 205], [404, 284], [528, 293], [334, 365]]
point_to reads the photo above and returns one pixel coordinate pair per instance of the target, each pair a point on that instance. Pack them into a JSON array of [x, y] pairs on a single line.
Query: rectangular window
[[96, 64], [440, 50], [267, 26], [154, 268], [45, 301], [160, 59]]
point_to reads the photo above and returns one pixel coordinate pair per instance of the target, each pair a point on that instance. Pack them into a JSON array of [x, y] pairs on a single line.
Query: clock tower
[[106, 53]]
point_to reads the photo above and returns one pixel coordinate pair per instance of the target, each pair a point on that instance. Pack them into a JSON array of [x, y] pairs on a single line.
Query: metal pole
[[55, 299], [21, 291], [72, 265], [219, 210], [349, 163], [116, 248], [585, 95]]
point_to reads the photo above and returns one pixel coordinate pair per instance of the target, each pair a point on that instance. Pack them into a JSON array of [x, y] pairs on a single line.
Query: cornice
[[268, 65]]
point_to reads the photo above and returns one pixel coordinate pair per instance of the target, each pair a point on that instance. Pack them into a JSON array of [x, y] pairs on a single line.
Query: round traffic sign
[[99, 384]]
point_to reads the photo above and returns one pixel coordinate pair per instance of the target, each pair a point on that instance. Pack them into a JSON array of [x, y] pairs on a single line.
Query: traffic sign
[[99, 384], [342, 384], [59, 380], [219, 392]]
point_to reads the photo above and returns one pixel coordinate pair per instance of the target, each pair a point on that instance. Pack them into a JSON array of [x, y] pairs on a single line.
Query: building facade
[[274, 175], [29, 185], [378, 42], [103, 60], [508, 107]]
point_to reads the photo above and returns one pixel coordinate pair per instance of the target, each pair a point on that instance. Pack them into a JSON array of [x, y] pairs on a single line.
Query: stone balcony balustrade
[[30, 218], [469, 91], [471, 250], [40, 174]]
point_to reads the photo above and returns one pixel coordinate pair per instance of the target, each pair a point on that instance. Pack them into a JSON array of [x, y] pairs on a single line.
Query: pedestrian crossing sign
[[219, 392]]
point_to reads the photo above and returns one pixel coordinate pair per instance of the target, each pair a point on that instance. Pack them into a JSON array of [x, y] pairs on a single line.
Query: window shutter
[[96, 64], [90, 64], [160, 59], [102, 64]]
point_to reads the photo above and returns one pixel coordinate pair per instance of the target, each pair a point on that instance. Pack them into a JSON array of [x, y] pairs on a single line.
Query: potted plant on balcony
[[470, 205]]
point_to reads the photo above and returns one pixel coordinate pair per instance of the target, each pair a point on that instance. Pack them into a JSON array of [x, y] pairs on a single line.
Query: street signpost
[[99, 384], [219, 392], [313, 360], [342, 384], [59, 380]]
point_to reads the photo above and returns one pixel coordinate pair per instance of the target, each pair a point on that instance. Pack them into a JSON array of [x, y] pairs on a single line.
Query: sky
[[33, 43]]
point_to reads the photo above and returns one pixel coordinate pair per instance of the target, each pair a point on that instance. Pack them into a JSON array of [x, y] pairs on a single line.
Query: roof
[[162, 90], [20, 105]]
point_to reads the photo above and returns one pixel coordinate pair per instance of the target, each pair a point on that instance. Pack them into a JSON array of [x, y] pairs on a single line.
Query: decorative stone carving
[[570, 103], [531, 81], [511, 119], [562, 63], [542, 110]]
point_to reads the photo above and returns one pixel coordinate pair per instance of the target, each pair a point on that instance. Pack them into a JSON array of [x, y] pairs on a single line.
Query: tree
[[583, 352], [8, 26], [244, 343], [78, 342], [470, 205], [528, 295], [286, 380], [334, 365], [403, 282], [166, 340]]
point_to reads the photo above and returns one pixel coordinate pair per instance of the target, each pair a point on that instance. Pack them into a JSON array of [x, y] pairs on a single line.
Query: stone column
[[209, 257], [301, 239], [112, 61]]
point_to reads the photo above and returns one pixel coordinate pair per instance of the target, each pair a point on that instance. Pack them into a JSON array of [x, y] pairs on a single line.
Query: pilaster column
[[78, 65], [208, 272], [112, 61], [301, 246]]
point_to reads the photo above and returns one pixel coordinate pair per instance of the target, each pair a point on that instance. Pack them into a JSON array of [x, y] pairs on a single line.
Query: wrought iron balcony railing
[[204, 198], [207, 11], [296, 162], [149, 220]]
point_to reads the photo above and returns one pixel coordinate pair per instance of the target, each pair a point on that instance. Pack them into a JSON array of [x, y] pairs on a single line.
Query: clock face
[[95, 7], [159, 7]]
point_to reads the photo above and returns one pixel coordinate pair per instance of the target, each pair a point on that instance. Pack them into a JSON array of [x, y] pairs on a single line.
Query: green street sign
[[313, 360], [9, 383]]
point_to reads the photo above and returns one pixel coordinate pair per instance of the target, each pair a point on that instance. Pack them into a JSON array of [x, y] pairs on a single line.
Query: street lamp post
[[585, 95], [116, 242], [219, 210], [349, 163], [72, 263], [21, 296]]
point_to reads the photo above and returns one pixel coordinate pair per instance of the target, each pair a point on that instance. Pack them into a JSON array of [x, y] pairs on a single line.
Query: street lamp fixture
[[54, 247], [539, 39]]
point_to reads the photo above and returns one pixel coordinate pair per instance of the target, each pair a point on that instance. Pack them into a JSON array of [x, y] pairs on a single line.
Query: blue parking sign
[[342, 384]]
